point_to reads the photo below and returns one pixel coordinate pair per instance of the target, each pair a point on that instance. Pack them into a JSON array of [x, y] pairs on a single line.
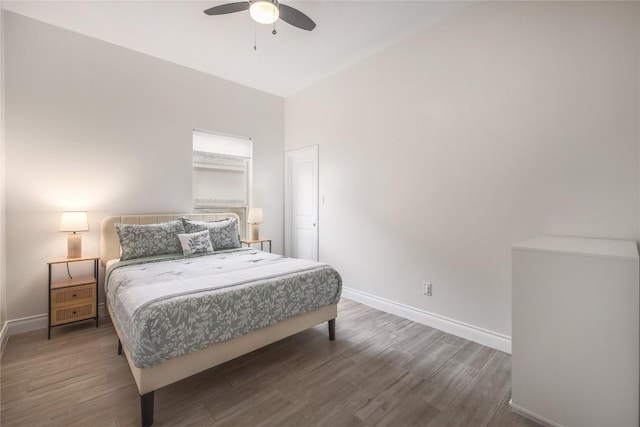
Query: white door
[[301, 203]]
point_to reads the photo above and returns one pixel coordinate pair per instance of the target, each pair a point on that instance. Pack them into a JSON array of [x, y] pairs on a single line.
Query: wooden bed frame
[[150, 379]]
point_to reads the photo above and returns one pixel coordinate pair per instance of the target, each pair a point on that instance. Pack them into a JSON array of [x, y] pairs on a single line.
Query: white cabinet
[[575, 335]]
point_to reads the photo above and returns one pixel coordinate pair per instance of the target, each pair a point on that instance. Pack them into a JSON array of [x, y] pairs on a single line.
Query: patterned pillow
[[196, 243], [138, 241], [224, 233]]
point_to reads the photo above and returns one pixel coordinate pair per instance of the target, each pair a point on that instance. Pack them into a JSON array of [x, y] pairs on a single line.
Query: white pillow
[[196, 243]]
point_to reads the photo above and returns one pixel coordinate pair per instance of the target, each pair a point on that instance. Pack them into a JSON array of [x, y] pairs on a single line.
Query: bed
[[176, 315]]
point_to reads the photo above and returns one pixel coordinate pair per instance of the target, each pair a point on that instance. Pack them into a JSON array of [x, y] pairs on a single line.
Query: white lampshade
[[264, 11], [74, 221], [255, 216]]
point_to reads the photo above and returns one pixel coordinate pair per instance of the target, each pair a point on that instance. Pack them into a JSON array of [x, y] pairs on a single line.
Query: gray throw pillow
[[224, 233], [139, 241]]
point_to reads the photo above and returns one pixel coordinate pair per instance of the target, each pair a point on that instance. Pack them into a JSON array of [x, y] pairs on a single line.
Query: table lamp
[[73, 222], [254, 218]]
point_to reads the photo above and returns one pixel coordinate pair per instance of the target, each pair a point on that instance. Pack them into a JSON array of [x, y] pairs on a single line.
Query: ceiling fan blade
[[228, 8], [296, 18]]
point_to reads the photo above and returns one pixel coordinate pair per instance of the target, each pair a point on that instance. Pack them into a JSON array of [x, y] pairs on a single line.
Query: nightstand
[[249, 242], [75, 299]]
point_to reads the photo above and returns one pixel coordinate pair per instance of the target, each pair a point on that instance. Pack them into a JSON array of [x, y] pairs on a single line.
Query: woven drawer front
[[72, 314], [62, 296]]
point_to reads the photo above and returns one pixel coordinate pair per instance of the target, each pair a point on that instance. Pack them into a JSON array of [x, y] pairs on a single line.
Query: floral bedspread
[[167, 306]]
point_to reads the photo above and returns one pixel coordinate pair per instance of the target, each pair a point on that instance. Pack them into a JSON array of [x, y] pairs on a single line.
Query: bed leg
[[119, 348], [332, 329], [146, 409]]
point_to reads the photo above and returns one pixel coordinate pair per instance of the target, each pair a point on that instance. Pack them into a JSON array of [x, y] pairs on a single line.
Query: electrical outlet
[[426, 288]]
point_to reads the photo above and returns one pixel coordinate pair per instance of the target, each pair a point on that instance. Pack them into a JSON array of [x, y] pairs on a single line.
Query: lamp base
[[74, 245], [255, 232]]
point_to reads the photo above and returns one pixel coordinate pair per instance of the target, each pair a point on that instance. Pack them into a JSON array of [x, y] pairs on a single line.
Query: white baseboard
[[28, 324], [482, 336], [532, 416]]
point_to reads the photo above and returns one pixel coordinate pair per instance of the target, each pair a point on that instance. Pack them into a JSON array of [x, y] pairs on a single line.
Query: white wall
[[98, 127], [3, 257], [436, 155]]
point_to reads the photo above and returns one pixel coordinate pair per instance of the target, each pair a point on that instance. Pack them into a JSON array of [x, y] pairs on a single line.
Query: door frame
[[314, 149]]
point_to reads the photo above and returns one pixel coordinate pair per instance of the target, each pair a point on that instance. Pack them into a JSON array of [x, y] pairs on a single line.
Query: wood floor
[[382, 370]]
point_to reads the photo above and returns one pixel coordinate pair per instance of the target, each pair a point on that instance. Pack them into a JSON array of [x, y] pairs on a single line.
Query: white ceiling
[[179, 31]]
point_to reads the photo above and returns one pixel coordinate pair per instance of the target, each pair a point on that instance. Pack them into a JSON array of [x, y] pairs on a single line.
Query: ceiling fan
[[266, 12]]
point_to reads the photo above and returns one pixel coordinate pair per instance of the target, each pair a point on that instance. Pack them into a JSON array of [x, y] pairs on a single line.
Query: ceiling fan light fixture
[[264, 11]]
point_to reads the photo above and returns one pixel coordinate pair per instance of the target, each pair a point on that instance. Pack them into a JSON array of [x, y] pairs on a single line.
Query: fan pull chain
[[274, 32], [255, 37]]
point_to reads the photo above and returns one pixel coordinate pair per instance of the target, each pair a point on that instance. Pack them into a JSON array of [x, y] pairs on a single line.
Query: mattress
[[168, 306]]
